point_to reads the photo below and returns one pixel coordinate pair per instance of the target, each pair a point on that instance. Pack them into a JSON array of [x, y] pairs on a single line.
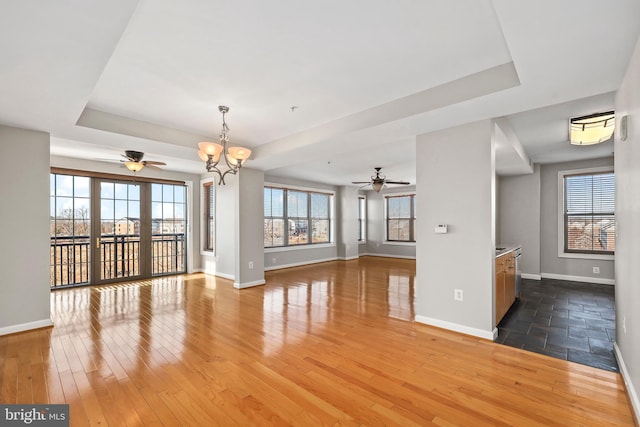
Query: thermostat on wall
[[441, 228]]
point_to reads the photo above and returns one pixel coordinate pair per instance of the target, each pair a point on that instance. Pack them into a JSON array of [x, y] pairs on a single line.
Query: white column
[[249, 247], [347, 213], [25, 217], [456, 186]]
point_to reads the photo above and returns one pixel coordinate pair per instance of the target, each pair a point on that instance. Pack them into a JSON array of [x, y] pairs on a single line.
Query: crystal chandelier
[[212, 152]]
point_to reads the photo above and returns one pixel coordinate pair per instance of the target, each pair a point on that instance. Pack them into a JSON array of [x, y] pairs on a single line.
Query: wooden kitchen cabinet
[[505, 284]]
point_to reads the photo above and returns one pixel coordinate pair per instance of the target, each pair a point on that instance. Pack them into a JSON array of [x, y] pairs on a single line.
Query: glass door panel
[[168, 226], [120, 231], [70, 209]]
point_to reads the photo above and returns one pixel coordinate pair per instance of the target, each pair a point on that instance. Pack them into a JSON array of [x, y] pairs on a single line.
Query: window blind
[[589, 213]]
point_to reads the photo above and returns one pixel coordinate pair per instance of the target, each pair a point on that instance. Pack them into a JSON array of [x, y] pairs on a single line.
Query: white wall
[[226, 227], [551, 264], [519, 217], [627, 267], [24, 214], [462, 159], [376, 243]]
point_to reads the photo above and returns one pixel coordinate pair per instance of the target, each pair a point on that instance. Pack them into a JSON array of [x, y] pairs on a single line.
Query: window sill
[[208, 254], [399, 243], [600, 257], [299, 247]]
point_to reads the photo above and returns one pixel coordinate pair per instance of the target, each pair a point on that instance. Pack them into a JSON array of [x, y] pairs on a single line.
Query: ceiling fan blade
[[397, 182], [361, 182], [151, 166], [128, 159], [151, 162]]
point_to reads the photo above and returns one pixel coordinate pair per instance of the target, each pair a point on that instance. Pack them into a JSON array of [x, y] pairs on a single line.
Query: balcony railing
[[70, 257]]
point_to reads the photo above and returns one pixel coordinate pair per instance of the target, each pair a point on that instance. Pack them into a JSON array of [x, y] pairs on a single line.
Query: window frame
[[309, 244], [362, 219], [412, 219], [204, 217], [562, 253]]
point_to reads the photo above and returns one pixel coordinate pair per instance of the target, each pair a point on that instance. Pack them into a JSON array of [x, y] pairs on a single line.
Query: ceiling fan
[[378, 181], [135, 163]]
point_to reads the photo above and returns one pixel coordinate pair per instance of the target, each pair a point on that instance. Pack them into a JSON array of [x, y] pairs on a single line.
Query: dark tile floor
[[568, 320]]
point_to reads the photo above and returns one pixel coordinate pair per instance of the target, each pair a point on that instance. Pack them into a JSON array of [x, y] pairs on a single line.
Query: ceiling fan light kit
[[134, 166], [135, 163], [378, 181], [212, 152]]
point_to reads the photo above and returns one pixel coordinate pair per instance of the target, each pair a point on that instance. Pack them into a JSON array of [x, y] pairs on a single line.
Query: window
[[304, 219], [274, 217], [168, 226], [589, 221], [362, 219], [298, 219], [401, 218], [320, 221], [107, 227], [208, 189], [70, 226]]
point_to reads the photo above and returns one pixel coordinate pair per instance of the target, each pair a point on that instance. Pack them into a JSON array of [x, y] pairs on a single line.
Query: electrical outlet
[[458, 295], [250, 265], [273, 260], [624, 324], [596, 270]]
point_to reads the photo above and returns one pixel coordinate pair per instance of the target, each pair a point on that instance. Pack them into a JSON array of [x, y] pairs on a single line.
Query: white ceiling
[[103, 77]]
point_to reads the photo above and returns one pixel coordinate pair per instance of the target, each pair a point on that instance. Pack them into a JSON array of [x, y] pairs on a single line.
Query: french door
[[106, 230], [120, 235]]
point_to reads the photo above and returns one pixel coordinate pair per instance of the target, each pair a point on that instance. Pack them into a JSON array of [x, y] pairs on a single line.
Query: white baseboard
[[389, 256], [342, 258], [225, 275], [248, 284], [578, 278], [198, 270], [298, 264], [480, 333], [22, 327], [531, 276], [631, 390]]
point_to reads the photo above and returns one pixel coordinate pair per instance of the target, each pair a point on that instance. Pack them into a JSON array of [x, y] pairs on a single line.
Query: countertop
[[505, 249]]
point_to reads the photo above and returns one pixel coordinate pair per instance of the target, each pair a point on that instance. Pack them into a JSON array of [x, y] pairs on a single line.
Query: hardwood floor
[[328, 344]]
